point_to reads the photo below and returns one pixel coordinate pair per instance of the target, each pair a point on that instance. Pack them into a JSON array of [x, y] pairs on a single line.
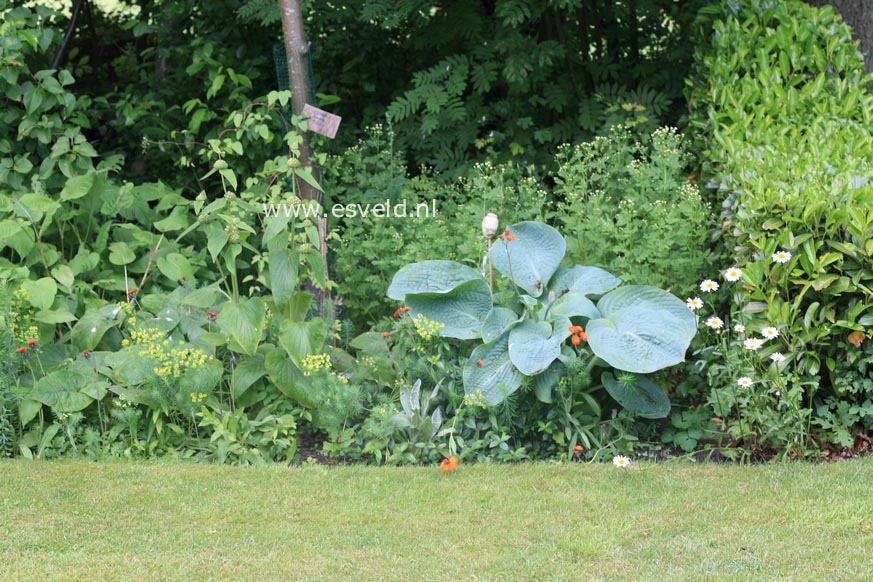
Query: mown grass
[[160, 521]]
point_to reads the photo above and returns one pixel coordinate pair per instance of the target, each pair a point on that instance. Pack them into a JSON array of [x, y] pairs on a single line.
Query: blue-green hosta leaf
[[534, 345], [583, 280], [531, 258], [461, 310], [643, 329], [544, 383], [574, 304], [637, 394], [430, 277], [498, 321], [496, 378]]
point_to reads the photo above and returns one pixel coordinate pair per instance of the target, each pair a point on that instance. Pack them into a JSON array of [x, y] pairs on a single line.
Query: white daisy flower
[[739, 328], [752, 343], [781, 257], [733, 274], [744, 382], [621, 461], [714, 322], [694, 304], [777, 357], [708, 286], [770, 333]]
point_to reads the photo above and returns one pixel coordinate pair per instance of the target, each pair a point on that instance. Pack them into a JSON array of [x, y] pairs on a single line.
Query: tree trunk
[[297, 52], [859, 15], [297, 49]]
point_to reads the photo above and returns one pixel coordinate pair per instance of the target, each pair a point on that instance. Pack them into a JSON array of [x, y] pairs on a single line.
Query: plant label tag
[[320, 121]]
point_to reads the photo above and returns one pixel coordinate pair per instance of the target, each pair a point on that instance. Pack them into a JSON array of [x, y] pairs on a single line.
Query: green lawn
[[161, 521]]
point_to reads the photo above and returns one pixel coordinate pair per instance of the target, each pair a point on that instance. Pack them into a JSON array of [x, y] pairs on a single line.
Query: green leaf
[[544, 383], [497, 377], [243, 322], [637, 394], [574, 304], [203, 298], [499, 320], [282, 267], [531, 258], [287, 377], [27, 410], [77, 186], [246, 373], [200, 380], [643, 329], [175, 267], [64, 275], [120, 254], [430, 277], [583, 280], [301, 339], [62, 391], [177, 220], [41, 293], [461, 310], [533, 346], [54, 316], [93, 325]]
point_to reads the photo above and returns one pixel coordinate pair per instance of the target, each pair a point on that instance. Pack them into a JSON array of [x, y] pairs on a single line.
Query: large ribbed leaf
[[637, 394], [498, 321], [69, 390], [533, 346], [461, 310], [584, 280], [643, 329], [531, 258], [496, 378], [574, 304], [430, 277]]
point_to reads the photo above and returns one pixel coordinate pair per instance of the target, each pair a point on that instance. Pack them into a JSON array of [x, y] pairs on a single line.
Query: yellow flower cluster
[[171, 362], [475, 399], [197, 398], [314, 363], [426, 328]]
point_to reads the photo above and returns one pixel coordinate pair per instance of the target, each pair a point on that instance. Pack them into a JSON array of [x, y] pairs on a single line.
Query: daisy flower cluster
[[750, 343]]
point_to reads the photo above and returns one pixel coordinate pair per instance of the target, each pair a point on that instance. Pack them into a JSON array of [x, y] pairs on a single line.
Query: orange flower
[[22, 350], [31, 343], [386, 333], [211, 315], [450, 464], [407, 309], [575, 329], [86, 353], [577, 449], [856, 338], [583, 335], [574, 339], [480, 363], [132, 292], [398, 312], [510, 238]]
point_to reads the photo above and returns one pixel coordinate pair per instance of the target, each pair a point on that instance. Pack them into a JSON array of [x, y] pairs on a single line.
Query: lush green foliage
[[627, 203], [780, 103]]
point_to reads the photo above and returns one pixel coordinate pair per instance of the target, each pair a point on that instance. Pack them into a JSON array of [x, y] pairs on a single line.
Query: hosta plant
[[548, 315]]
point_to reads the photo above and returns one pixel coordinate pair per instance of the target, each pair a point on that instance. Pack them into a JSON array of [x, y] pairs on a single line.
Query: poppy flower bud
[[489, 225]]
